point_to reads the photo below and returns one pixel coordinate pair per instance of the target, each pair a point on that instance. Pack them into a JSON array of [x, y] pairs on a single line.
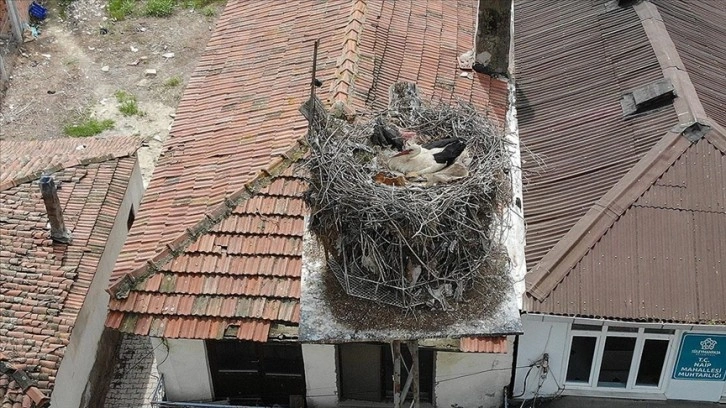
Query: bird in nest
[[416, 160]]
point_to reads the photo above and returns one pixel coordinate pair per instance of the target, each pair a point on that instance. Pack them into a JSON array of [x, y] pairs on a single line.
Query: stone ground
[[78, 62]]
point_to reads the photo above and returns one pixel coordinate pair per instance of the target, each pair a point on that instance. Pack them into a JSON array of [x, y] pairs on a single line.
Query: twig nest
[[409, 244]]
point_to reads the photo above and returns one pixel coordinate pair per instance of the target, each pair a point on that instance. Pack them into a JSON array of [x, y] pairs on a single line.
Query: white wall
[[320, 375], [549, 334], [542, 334], [183, 363], [80, 353], [471, 379]]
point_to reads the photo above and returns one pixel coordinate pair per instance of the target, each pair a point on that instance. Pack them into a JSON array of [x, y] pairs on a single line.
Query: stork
[[429, 158]]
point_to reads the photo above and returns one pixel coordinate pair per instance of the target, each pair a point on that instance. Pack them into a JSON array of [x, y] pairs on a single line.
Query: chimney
[[58, 231]]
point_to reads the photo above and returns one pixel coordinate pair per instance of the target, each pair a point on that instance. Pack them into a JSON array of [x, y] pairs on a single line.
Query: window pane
[[651, 362], [581, 353], [616, 359]]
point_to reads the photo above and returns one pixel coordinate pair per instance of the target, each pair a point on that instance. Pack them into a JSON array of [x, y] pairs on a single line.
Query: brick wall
[[135, 375]]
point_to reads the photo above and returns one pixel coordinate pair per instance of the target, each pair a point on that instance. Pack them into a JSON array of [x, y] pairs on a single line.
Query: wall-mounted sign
[[702, 357]]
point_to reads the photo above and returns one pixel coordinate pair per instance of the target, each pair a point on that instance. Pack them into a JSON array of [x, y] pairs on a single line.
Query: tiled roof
[[238, 117], [43, 285], [625, 253], [186, 274], [483, 344], [24, 161], [244, 273], [419, 41]]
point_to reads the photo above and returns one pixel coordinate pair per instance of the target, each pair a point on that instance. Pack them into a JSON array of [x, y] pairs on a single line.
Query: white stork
[[429, 158]]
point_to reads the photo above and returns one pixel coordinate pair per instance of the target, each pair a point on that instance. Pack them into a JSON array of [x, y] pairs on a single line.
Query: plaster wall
[[321, 379], [183, 363], [471, 379], [550, 334], [80, 354], [541, 335]]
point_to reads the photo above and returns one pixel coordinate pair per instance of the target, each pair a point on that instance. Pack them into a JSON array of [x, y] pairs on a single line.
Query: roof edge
[[74, 162], [557, 262], [347, 64], [122, 286]]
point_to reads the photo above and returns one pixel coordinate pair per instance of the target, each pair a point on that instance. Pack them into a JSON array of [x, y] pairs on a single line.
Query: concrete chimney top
[[58, 231]]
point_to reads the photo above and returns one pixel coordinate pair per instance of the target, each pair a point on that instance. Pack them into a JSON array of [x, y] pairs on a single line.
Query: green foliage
[[198, 4], [159, 8], [87, 127], [127, 104], [120, 9], [209, 11], [173, 81]]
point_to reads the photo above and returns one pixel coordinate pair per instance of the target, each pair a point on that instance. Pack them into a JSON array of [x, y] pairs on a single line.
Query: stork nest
[[411, 245]]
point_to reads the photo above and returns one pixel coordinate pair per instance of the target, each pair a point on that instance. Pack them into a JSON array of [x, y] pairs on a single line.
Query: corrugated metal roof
[[43, 285], [573, 62], [697, 28], [663, 259], [580, 269]]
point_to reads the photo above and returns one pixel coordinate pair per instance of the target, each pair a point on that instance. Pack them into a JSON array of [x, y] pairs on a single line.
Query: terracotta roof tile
[[44, 284], [483, 344], [222, 220]]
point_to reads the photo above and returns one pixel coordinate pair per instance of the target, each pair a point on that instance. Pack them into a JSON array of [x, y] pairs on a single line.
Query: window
[[250, 373], [366, 371], [130, 220], [610, 357]]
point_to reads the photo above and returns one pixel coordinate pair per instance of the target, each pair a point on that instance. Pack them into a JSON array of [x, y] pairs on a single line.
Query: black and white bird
[[384, 136], [428, 158]]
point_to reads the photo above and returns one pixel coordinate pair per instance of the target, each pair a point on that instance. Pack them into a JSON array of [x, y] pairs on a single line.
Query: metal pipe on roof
[[49, 191]]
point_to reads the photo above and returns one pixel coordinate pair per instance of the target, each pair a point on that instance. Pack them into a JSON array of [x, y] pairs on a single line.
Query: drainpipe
[[58, 231]]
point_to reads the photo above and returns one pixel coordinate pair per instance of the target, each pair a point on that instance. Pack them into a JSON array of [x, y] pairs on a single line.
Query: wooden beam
[[413, 348], [396, 351]]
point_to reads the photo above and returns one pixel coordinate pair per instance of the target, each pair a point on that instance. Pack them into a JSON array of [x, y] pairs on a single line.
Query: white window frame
[[601, 335]]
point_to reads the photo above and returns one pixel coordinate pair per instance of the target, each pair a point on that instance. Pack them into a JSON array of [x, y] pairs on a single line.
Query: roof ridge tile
[[347, 64]]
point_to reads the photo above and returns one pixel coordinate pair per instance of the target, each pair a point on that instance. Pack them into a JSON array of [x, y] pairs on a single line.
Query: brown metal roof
[[632, 254], [573, 61], [697, 28], [662, 259]]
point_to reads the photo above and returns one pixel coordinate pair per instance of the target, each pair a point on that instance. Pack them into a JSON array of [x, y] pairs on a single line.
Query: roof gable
[[662, 259], [554, 269]]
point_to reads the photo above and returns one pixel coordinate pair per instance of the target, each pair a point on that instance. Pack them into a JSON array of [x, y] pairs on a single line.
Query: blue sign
[[702, 357]]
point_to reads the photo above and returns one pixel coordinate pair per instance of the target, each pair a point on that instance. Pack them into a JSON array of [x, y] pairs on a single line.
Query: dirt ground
[[77, 64]]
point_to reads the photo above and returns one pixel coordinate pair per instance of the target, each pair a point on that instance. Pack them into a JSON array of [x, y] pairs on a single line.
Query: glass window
[[616, 359], [651, 362], [581, 355]]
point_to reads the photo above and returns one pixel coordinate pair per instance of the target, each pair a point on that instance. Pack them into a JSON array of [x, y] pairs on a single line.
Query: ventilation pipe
[[58, 231]]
